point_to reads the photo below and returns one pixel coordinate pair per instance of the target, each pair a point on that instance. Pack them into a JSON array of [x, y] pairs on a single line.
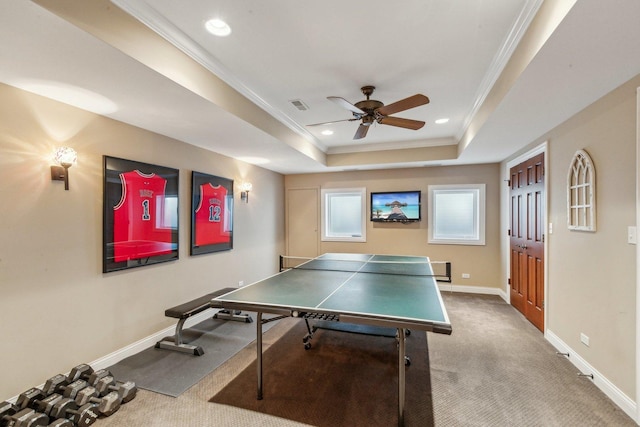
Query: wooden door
[[302, 222], [527, 235]]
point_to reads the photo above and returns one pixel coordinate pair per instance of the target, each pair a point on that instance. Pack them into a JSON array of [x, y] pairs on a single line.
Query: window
[[167, 213], [457, 214], [343, 215], [581, 193]]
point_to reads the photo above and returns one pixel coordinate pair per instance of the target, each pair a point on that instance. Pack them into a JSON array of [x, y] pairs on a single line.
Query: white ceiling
[[278, 51]]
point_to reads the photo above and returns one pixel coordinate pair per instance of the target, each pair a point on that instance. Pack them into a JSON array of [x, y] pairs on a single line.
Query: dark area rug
[[345, 379]]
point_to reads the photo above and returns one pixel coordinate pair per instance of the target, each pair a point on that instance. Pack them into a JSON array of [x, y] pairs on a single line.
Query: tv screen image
[[397, 206]]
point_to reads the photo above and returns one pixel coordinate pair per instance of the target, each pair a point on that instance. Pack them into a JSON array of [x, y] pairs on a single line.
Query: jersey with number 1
[[212, 216], [137, 231]]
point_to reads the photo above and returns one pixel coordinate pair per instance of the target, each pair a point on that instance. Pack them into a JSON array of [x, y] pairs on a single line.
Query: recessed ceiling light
[[217, 27], [327, 132], [442, 121]]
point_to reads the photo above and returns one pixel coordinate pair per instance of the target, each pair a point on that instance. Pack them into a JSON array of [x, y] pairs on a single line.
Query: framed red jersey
[[211, 214], [138, 225], [140, 214]]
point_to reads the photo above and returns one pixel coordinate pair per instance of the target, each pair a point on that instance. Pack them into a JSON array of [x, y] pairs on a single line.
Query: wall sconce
[[65, 157], [244, 191]]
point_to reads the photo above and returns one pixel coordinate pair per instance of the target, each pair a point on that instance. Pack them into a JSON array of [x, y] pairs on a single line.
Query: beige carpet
[[494, 370], [498, 370]]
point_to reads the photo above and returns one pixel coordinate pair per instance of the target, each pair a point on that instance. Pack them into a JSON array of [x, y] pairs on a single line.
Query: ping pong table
[[389, 291]]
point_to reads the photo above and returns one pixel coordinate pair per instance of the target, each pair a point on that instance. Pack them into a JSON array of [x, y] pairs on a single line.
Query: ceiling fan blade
[[403, 104], [401, 123], [361, 132], [330, 123], [345, 104]]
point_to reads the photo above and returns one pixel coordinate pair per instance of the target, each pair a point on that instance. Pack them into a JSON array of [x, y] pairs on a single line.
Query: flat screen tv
[[395, 206]]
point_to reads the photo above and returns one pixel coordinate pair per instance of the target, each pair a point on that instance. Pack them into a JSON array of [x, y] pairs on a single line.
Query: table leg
[[401, 375], [259, 349]]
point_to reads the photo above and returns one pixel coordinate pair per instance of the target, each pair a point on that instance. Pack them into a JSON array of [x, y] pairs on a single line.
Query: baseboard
[[450, 287], [607, 387], [150, 341], [138, 346]]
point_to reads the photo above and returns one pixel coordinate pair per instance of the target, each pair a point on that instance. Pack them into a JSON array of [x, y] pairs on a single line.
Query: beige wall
[[592, 276], [57, 308], [481, 262]]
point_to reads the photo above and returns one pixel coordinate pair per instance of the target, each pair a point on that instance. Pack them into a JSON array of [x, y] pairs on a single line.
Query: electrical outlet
[[584, 339], [466, 276], [241, 283]]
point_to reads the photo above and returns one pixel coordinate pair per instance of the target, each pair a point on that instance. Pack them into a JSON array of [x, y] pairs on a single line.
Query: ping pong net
[[408, 266]]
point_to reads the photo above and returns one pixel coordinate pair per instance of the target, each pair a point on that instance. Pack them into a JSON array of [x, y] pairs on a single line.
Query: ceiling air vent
[[299, 104]]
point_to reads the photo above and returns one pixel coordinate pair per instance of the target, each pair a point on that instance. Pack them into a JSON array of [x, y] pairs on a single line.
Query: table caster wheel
[[407, 361], [307, 345]]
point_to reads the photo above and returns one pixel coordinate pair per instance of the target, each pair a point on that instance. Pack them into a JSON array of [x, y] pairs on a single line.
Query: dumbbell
[[82, 416], [80, 372], [32, 398], [71, 390], [35, 399], [86, 372], [54, 384], [61, 422], [62, 385], [11, 415], [103, 381], [126, 390], [24, 418], [107, 405], [7, 408], [35, 405]]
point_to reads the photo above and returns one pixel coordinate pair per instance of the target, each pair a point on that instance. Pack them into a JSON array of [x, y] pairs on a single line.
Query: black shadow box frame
[[140, 218], [211, 213]]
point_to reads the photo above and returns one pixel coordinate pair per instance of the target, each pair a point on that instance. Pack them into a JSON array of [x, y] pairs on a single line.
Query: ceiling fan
[[371, 111]]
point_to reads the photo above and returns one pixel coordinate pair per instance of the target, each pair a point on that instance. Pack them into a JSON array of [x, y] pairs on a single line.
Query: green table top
[[377, 288]]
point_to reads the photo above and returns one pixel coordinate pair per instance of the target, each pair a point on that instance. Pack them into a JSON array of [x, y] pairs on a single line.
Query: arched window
[[581, 193]]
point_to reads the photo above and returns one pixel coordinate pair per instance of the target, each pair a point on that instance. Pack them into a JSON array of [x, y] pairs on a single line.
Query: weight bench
[[183, 311]]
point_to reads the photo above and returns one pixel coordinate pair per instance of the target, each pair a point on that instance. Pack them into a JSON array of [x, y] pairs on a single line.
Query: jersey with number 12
[[212, 220]]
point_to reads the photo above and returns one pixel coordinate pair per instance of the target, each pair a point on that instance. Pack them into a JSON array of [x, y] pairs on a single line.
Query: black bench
[[184, 311]]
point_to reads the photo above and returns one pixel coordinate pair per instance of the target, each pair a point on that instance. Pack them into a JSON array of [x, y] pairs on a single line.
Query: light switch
[[632, 236]]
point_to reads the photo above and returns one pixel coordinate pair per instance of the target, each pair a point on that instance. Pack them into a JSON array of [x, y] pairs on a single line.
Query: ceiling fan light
[[218, 27], [442, 121], [368, 120]]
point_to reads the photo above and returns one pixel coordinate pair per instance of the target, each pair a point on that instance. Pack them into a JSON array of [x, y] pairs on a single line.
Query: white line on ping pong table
[[343, 283]]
